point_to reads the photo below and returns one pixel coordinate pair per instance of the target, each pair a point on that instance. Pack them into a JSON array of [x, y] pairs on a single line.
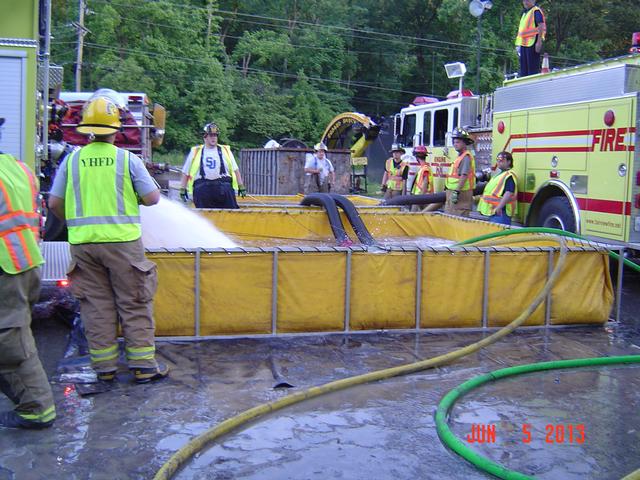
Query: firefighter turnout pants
[[114, 282], [22, 377], [464, 205]]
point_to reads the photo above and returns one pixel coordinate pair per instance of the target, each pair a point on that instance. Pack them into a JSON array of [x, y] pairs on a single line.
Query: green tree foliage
[[283, 68]]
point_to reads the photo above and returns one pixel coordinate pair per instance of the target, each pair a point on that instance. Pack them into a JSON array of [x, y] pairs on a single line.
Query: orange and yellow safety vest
[[394, 178], [19, 220], [493, 193], [418, 185], [452, 182], [527, 30]]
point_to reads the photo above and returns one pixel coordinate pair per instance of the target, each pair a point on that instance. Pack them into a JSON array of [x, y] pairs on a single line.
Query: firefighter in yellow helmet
[[98, 189], [461, 178], [22, 377], [210, 174]]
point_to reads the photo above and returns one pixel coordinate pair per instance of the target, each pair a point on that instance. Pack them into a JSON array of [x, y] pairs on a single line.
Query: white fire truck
[[572, 133]]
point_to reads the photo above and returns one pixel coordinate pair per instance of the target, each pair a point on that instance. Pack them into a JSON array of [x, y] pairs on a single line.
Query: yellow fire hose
[[178, 459]]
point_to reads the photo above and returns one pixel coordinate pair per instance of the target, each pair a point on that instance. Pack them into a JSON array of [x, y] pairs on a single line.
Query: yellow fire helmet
[[100, 116]]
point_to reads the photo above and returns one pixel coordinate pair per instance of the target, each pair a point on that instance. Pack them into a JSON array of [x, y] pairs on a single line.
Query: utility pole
[[81, 33]]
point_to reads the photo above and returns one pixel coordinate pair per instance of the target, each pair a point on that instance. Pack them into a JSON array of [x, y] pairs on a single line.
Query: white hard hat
[[320, 146]]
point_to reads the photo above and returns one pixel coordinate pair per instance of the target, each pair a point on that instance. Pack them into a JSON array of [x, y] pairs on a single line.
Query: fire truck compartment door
[[606, 208], [558, 136]]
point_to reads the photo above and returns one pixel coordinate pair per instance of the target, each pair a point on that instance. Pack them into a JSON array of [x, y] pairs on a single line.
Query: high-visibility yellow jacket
[[394, 175], [493, 193], [418, 187], [453, 179], [194, 170], [19, 220], [101, 204], [527, 30]]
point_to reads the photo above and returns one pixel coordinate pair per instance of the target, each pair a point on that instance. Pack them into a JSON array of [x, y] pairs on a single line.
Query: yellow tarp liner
[[383, 291], [337, 289], [235, 294]]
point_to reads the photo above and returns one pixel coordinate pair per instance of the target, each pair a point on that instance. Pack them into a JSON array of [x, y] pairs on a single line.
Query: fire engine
[[572, 133]]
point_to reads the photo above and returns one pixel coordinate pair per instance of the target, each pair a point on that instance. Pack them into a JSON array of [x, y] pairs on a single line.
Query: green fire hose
[[182, 456], [553, 231], [483, 463]]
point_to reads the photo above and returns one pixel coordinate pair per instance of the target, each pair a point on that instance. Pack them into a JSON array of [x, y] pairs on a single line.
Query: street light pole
[[477, 8], [478, 55]]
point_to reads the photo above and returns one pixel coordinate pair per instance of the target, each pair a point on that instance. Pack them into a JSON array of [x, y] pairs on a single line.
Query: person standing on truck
[[396, 172], [423, 184], [531, 33], [319, 173], [22, 377], [499, 201], [210, 174], [98, 190], [461, 178]]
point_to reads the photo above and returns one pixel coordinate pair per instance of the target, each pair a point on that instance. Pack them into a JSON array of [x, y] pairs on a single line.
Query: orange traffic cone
[[545, 63]]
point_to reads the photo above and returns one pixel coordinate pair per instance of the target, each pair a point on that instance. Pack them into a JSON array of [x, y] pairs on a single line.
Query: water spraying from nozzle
[[170, 224]]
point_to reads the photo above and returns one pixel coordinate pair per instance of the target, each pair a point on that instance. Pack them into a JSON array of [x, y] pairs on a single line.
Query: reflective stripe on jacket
[[527, 30], [194, 170], [452, 181], [19, 221], [394, 175], [101, 204], [424, 172], [493, 193]]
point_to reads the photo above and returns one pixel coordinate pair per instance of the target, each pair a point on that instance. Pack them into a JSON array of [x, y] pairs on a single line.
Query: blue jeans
[[503, 219]]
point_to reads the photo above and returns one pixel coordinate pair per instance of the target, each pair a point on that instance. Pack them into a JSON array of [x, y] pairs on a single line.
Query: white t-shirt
[[211, 162], [325, 166]]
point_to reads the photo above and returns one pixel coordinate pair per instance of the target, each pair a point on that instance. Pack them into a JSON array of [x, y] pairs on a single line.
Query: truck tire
[[557, 213]]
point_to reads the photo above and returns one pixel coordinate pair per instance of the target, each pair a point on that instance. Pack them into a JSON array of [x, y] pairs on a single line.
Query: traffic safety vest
[[424, 172], [394, 178], [101, 204], [19, 221], [527, 29], [452, 181], [197, 159], [493, 193]]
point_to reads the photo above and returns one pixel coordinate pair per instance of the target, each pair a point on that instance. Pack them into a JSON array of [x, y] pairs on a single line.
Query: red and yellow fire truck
[[572, 133]]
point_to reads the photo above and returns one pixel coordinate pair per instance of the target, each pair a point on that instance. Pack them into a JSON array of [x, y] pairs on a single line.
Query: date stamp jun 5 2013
[[554, 433]]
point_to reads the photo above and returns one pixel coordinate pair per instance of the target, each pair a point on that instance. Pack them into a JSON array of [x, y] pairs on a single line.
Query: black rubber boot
[[11, 419], [146, 375]]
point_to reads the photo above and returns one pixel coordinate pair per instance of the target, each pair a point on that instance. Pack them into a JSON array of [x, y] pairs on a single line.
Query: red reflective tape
[[525, 197], [551, 149], [590, 204], [604, 206]]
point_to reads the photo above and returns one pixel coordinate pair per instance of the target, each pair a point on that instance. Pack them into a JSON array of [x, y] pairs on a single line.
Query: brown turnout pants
[[464, 205], [22, 377], [115, 281]]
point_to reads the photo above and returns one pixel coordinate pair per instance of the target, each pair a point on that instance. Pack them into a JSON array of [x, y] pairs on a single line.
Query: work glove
[[184, 196], [242, 191], [454, 196], [383, 188]]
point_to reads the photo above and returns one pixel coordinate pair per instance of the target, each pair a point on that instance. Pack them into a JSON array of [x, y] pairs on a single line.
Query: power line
[[404, 39], [347, 84]]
